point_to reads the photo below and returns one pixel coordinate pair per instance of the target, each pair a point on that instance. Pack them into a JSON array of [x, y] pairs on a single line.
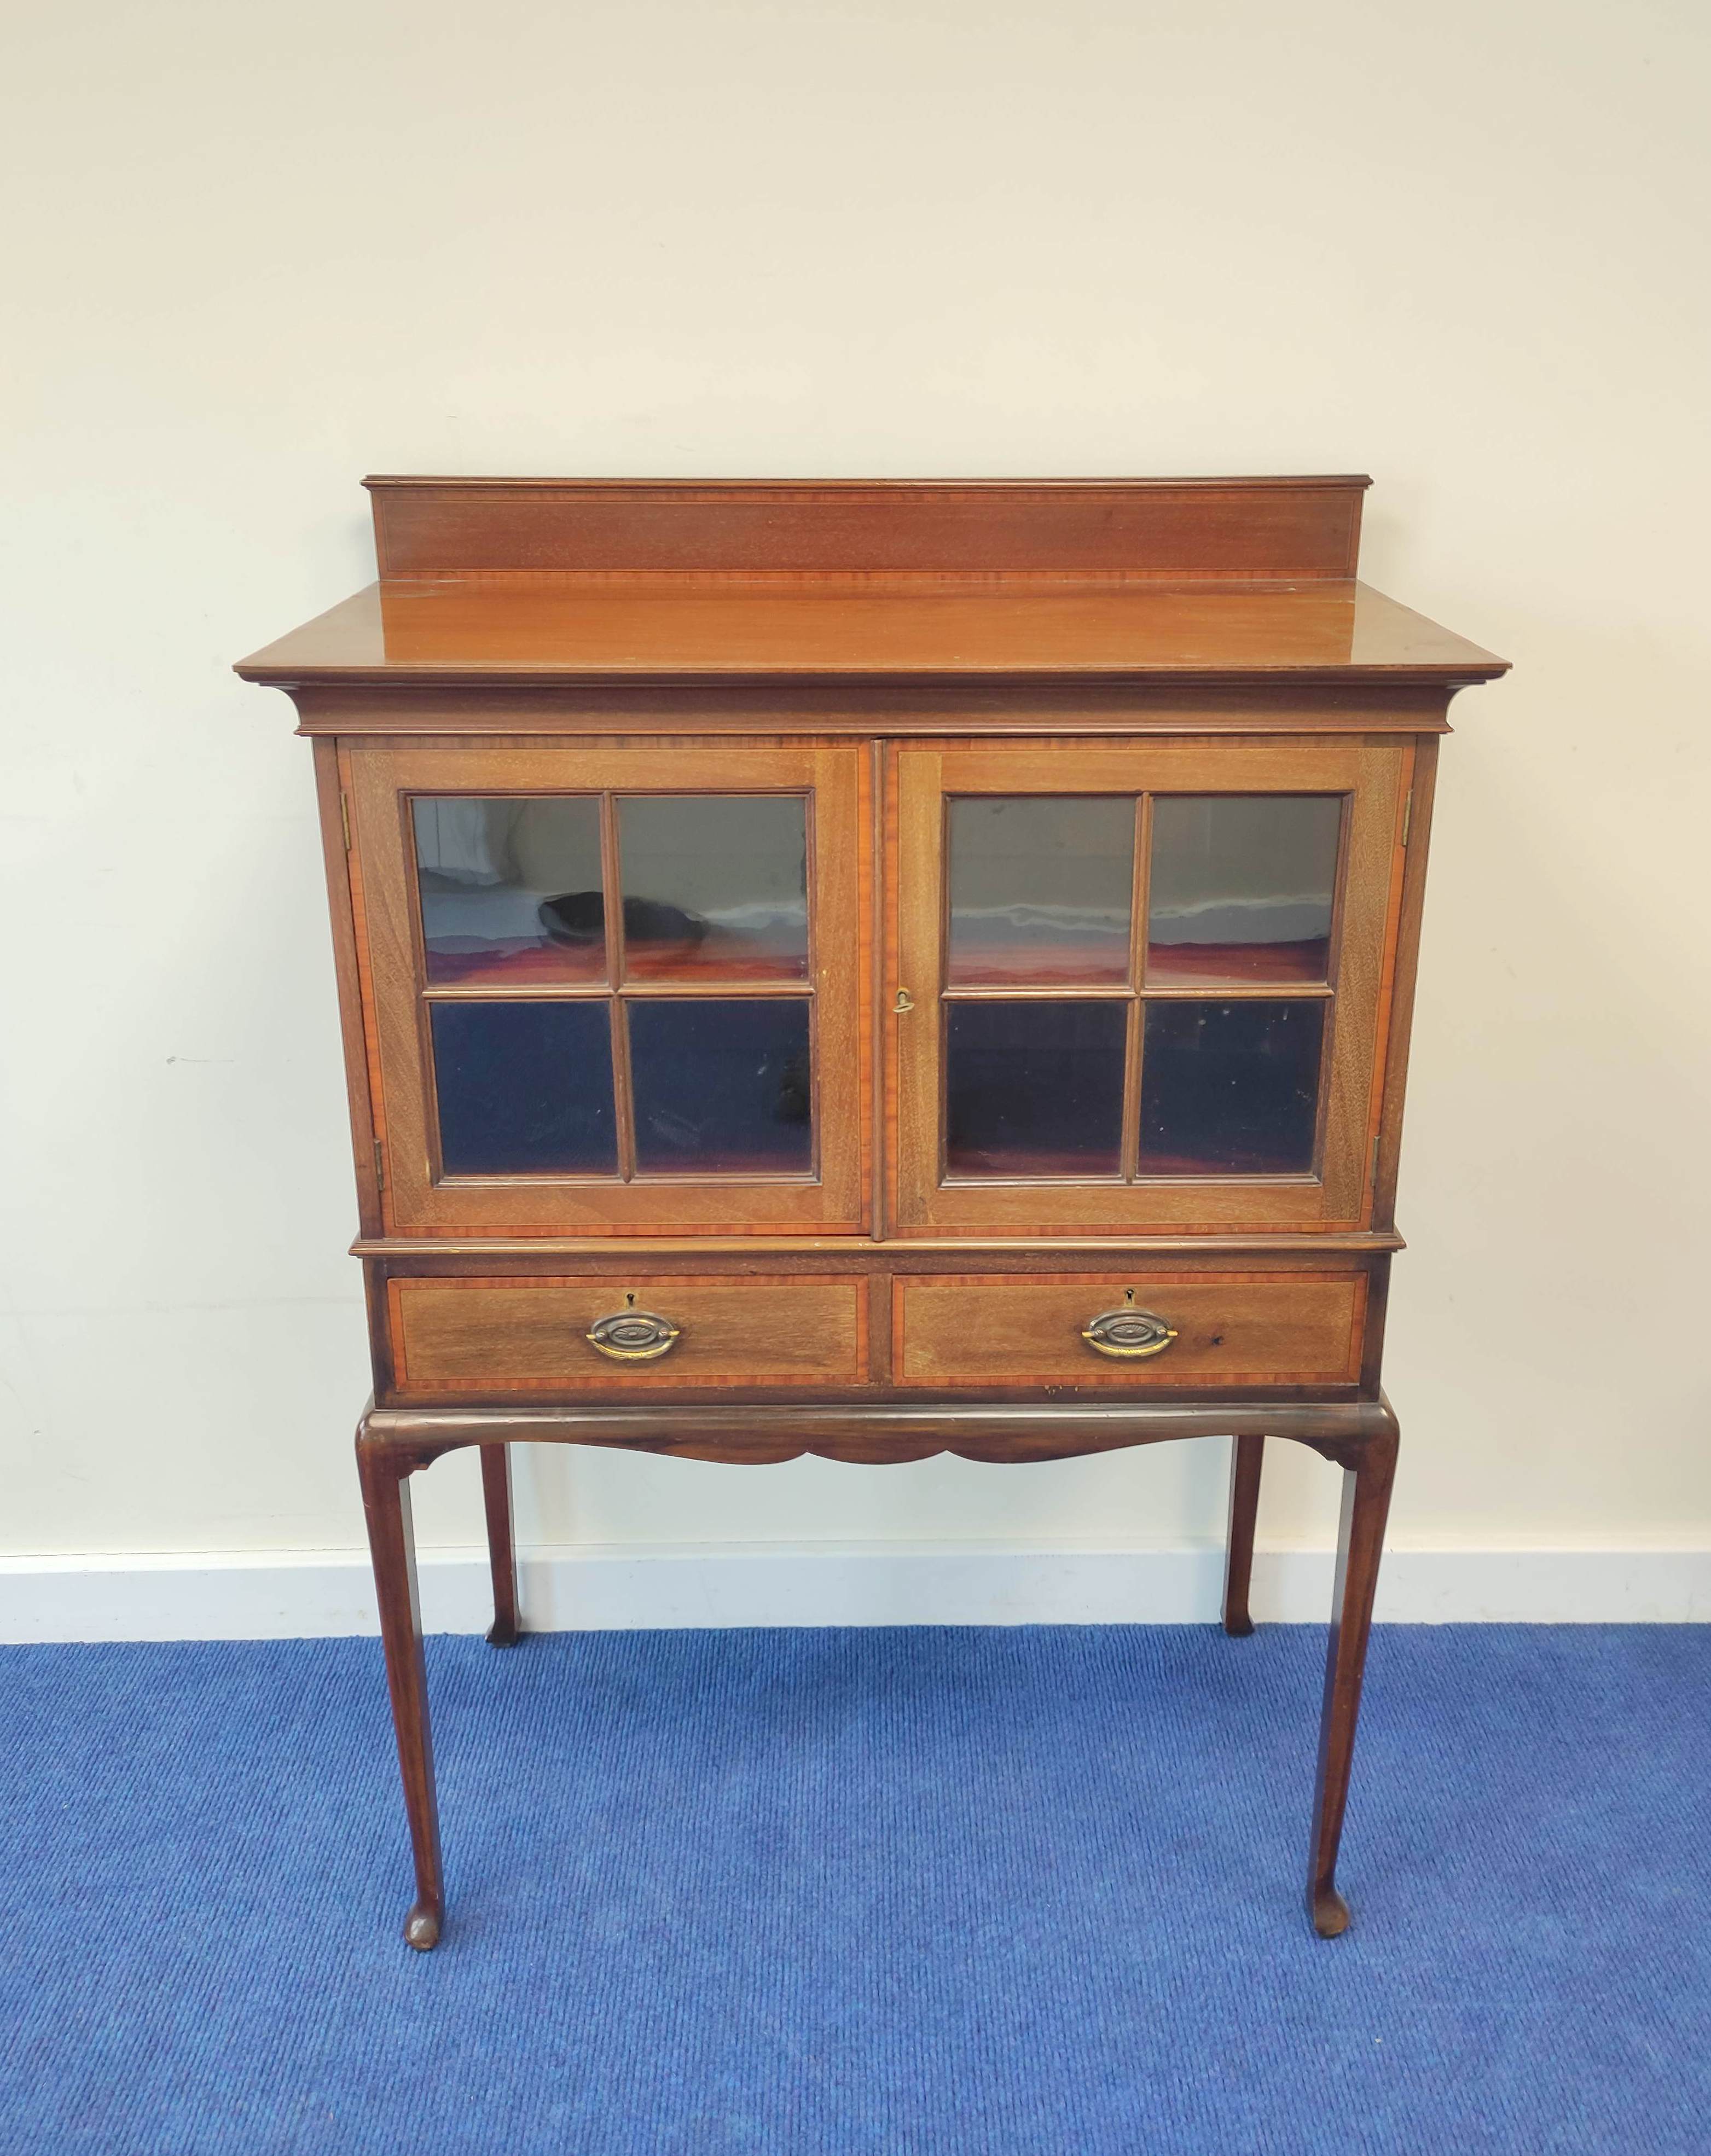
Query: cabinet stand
[[1361, 1438]]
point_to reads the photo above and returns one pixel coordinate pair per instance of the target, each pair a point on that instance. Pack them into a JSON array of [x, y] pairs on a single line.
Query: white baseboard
[[308, 1594]]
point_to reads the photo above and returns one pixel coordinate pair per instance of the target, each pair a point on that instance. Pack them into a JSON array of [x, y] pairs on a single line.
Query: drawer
[[475, 1337], [1234, 1329]]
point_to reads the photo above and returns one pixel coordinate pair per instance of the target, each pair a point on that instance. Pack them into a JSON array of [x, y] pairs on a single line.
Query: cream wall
[[255, 253]]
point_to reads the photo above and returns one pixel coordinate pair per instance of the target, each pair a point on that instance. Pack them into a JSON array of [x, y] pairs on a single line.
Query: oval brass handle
[[633, 1336], [904, 1002], [1127, 1332]]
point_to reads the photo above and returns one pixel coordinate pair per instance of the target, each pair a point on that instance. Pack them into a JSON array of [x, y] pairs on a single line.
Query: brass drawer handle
[[630, 1335], [1128, 1332]]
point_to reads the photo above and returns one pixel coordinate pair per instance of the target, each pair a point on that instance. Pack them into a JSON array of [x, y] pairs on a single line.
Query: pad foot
[[421, 1927]]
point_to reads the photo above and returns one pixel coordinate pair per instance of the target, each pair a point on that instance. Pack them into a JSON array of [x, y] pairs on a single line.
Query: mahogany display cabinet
[[874, 970]]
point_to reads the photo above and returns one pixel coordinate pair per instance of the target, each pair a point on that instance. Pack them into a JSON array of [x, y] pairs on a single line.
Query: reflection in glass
[[1039, 889], [715, 883], [1230, 1088], [721, 1086], [1241, 887], [1034, 1088], [524, 1088], [511, 887]]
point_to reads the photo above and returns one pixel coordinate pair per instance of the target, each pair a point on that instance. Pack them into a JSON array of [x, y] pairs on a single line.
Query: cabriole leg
[[1246, 1457], [1366, 1502], [501, 1549], [392, 1543]]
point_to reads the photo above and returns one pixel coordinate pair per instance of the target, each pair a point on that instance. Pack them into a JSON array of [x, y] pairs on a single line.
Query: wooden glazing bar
[[612, 910]]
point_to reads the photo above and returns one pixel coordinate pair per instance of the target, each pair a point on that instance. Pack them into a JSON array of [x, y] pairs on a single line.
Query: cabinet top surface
[[579, 628], [721, 582]]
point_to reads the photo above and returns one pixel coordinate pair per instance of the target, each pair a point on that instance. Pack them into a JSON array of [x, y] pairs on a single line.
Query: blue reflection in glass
[[721, 1086], [525, 1088]]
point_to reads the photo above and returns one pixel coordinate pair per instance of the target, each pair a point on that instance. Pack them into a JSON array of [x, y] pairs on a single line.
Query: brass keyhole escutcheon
[[1127, 1333], [904, 1002]]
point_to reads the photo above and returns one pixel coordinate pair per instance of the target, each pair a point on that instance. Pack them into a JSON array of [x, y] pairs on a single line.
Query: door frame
[[1374, 774], [379, 779]]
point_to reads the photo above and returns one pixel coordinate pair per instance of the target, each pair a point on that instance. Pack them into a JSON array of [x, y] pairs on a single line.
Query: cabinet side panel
[[1405, 970], [1361, 975], [330, 799]]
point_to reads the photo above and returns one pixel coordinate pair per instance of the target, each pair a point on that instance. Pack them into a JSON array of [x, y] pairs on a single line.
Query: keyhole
[[629, 1301], [1128, 1298]]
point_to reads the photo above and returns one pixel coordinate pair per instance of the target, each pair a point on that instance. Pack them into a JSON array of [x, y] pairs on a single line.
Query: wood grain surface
[[1234, 1329], [1293, 528], [457, 1337], [547, 629]]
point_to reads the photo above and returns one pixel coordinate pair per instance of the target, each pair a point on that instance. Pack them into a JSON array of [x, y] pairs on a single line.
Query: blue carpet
[[920, 1892]]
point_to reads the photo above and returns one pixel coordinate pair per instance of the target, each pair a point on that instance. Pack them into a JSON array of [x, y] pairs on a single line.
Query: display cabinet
[[874, 969]]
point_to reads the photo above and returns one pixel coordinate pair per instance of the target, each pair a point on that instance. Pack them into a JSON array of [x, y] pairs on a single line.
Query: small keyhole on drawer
[[630, 1301], [1217, 1339]]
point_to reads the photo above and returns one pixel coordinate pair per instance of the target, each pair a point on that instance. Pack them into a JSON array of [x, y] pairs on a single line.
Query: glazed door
[[1138, 988], [613, 989]]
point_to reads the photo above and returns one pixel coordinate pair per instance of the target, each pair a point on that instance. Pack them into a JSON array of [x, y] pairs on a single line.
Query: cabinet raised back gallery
[[874, 969]]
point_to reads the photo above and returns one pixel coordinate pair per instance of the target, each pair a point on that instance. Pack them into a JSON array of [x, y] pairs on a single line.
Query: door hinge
[[1407, 818], [380, 1165], [345, 817], [1372, 1171]]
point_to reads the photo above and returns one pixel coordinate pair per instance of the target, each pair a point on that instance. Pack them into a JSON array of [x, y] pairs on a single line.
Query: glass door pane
[[715, 887], [1240, 888], [1230, 1088], [524, 1088], [1039, 890], [1034, 1088], [510, 890], [721, 1087], [714, 897]]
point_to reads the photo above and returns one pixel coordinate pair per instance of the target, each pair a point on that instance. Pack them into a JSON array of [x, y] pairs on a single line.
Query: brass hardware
[[630, 1335], [345, 817], [904, 1002], [1407, 816], [380, 1165], [1127, 1333]]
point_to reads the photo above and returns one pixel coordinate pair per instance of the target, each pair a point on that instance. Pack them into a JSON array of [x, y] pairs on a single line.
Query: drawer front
[[1236, 1329], [482, 1338]]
